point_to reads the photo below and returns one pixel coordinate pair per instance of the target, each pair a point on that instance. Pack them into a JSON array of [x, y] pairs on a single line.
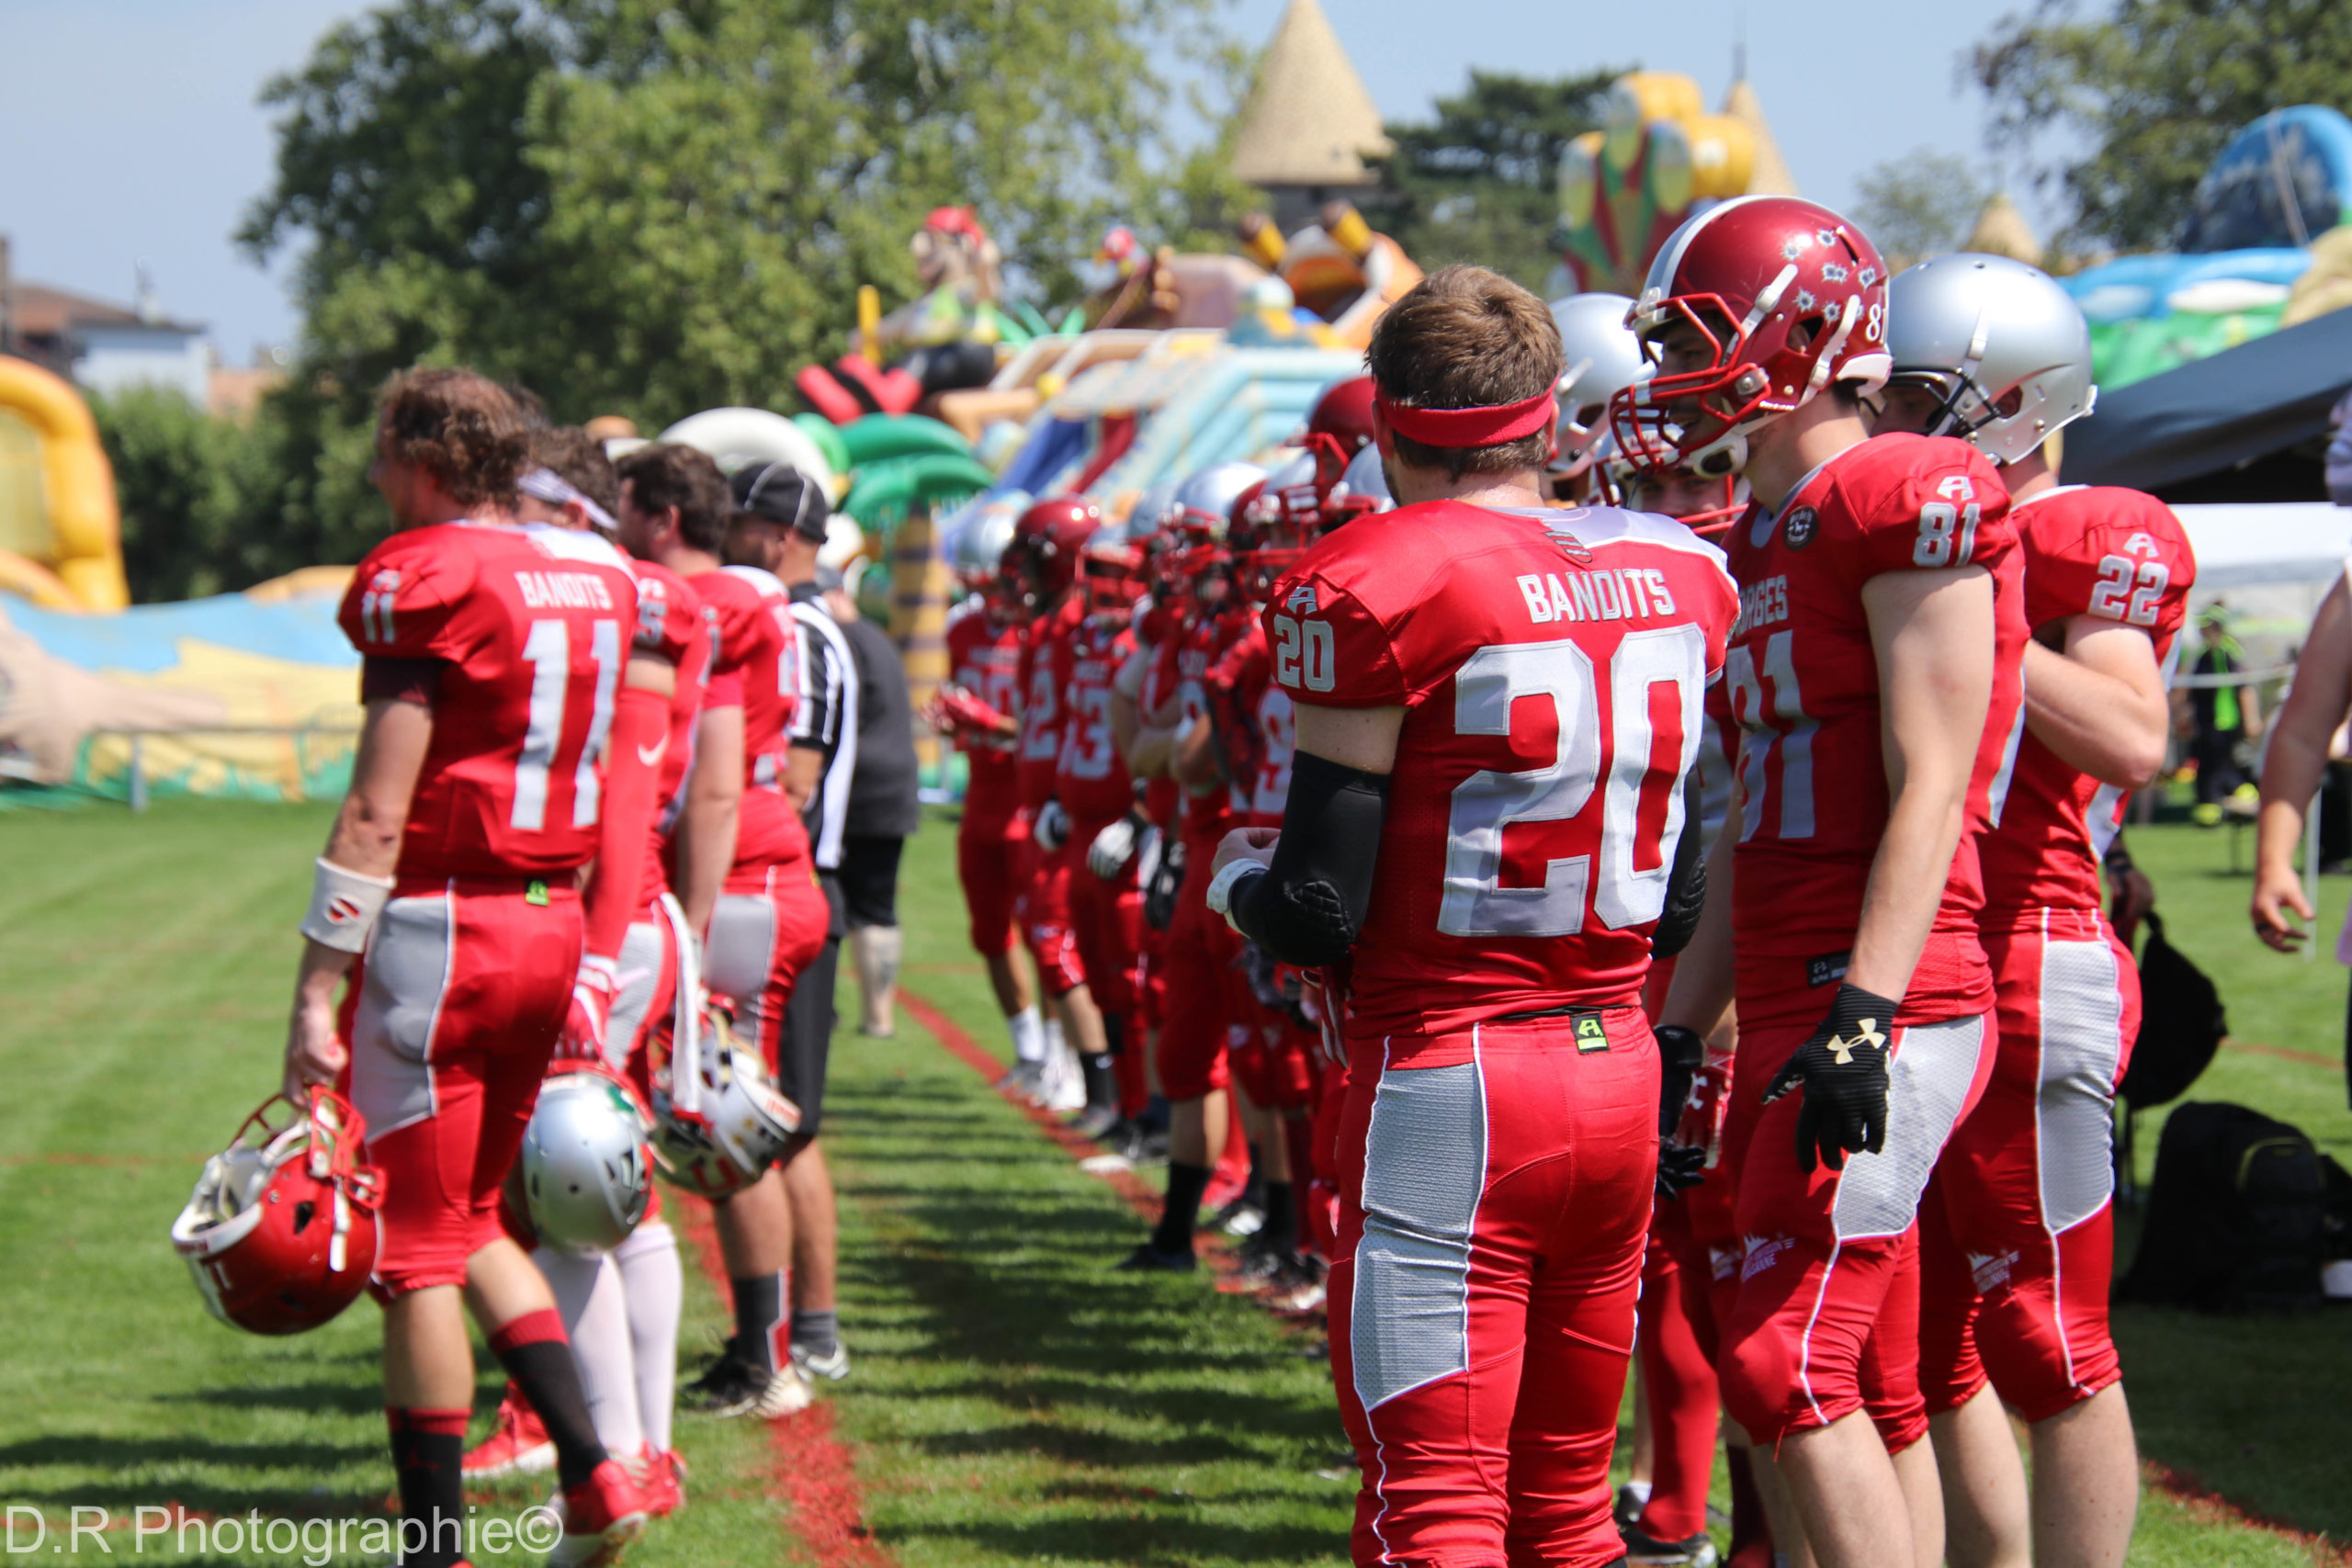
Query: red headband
[[1472, 427]]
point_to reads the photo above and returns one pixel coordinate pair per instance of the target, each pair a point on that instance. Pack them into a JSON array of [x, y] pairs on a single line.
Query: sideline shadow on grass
[[215, 1478], [1021, 1401]]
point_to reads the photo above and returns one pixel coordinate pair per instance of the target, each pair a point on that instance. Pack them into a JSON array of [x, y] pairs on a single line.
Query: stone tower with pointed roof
[[1309, 124]]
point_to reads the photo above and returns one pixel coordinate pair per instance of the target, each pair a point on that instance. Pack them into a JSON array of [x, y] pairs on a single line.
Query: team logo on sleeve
[[1301, 600], [1797, 531]]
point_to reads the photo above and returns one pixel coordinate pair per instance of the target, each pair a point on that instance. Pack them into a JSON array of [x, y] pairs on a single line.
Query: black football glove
[[1164, 884], [1679, 1170], [1680, 1054], [1843, 1071]]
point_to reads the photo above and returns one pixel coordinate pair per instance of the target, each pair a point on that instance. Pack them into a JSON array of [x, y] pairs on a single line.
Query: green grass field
[[1011, 1402]]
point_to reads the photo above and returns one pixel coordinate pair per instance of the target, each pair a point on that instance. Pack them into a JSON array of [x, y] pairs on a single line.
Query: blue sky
[[130, 129]]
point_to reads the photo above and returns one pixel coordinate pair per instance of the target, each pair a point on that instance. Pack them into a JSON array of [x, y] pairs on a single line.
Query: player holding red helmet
[[1880, 626], [491, 657], [1497, 703], [1994, 351]]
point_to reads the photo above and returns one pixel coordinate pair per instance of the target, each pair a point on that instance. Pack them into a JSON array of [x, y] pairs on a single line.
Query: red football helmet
[[1344, 413], [1275, 519], [1786, 296], [1040, 562], [1112, 571], [281, 1232]]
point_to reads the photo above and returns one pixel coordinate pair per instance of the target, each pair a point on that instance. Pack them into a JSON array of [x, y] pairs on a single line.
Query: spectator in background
[[2225, 716], [2316, 703], [883, 809], [2339, 451]]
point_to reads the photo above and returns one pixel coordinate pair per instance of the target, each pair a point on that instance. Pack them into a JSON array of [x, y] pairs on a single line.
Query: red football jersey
[[757, 669], [1253, 715], [1803, 680], [1155, 683], [1551, 664], [1045, 676], [984, 658], [529, 623], [2118, 556], [673, 621], [1091, 778], [1208, 814]]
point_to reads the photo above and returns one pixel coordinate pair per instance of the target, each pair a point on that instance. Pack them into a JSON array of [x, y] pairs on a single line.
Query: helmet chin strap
[[1723, 457]]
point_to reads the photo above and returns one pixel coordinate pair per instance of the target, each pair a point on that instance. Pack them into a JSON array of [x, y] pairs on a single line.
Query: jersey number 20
[[1485, 804]]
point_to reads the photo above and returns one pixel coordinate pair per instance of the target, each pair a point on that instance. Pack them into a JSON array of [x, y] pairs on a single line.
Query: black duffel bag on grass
[[2237, 1215]]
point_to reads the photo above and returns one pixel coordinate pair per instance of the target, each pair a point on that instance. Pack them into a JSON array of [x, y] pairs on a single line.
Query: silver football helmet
[[2002, 348], [1604, 359], [587, 1171], [1366, 477], [1204, 501], [980, 542], [718, 1123]]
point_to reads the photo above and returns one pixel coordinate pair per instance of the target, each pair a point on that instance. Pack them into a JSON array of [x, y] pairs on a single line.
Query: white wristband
[[1221, 885], [344, 906]]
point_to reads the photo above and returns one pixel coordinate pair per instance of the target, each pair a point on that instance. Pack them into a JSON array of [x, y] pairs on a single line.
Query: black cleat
[[725, 1385], [1699, 1552], [1148, 1259]]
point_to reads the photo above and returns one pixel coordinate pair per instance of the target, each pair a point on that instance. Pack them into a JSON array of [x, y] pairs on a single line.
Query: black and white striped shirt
[[826, 720]]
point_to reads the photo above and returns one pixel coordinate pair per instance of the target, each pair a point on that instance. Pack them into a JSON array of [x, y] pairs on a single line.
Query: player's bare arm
[[363, 845], [2315, 705], [1701, 994], [1933, 634], [2097, 700], [714, 801], [804, 770]]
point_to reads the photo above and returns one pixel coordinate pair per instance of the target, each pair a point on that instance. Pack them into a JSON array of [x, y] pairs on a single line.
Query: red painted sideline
[[2201, 1499], [2287, 1053], [814, 1472]]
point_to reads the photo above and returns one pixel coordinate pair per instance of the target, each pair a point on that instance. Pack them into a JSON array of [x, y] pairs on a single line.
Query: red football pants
[[1107, 920], [990, 862], [463, 989], [2028, 1183], [1206, 993], [1678, 1350], [769, 925], [1827, 1321], [1043, 910], [1495, 1193]]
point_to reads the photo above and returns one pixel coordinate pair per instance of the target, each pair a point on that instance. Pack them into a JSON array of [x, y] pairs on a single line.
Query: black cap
[[778, 493]]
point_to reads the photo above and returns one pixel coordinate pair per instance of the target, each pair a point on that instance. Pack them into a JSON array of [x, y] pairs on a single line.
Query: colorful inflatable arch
[[60, 538]]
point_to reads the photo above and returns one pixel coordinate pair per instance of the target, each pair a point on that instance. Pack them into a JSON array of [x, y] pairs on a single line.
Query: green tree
[[648, 207], [1479, 182], [1919, 205], [2153, 89]]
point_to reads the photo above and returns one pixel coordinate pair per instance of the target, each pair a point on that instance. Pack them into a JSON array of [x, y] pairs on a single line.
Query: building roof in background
[[35, 309], [1769, 175], [1310, 120]]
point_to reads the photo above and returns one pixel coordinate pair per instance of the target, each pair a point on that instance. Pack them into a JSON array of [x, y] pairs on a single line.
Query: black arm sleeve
[[1686, 885], [1307, 909]]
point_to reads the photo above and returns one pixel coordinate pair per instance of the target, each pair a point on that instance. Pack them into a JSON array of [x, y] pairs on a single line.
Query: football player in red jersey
[[1497, 703], [1994, 352], [1874, 673], [1190, 1053], [491, 657], [745, 874], [978, 710], [1042, 565], [620, 1309], [1092, 787]]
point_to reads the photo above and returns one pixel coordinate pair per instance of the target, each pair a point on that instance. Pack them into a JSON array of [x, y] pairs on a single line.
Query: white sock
[[655, 1289], [1054, 1045], [588, 1294], [1028, 1036]]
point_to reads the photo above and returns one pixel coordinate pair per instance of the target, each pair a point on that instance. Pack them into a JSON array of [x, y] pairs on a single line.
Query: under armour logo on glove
[[1843, 1070], [1842, 1050]]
